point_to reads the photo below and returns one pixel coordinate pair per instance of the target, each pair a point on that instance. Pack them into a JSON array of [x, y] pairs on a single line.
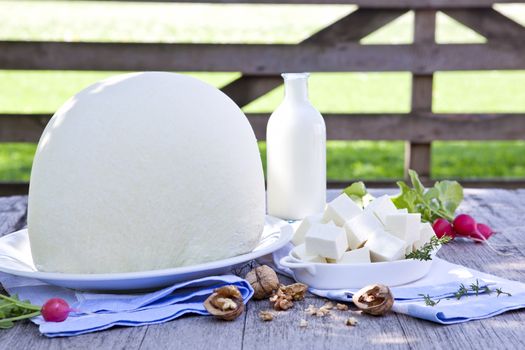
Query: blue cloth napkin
[[102, 311], [440, 284]]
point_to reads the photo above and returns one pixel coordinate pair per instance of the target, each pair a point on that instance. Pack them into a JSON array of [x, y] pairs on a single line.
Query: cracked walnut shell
[[375, 299], [225, 303]]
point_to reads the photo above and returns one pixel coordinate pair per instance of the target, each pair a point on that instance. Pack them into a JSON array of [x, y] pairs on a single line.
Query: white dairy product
[[426, 232], [326, 241], [357, 256], [385, 247], [304, 226], [381, 207], [404, 226], [359, 228], [296, 154], [300, 252], [145, 171], [341, 209]]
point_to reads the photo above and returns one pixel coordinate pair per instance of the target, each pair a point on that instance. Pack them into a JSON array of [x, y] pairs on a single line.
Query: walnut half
[[375, 299], [225, 303]]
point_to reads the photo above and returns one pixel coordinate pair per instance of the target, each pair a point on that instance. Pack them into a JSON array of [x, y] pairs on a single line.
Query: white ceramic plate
[[15, 259], [356, 276]]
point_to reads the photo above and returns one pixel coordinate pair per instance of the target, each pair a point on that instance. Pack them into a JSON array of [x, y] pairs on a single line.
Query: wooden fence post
[[418, 154]]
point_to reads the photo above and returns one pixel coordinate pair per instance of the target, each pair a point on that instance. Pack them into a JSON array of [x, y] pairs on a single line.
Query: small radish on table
[[465, 225], [55, 310], [443, 228]]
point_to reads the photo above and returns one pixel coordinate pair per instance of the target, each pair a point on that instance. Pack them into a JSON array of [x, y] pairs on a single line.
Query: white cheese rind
[[360, 228], [145, 171], [385, 247], [381, 207], [298, 237], [326, 241], [341, 209], [357, 256], [426, 232]]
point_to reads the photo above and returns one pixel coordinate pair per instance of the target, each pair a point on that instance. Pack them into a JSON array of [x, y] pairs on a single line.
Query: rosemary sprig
[[475, 287], [428, 300], [425, 252], [499, 292], [461, 291]]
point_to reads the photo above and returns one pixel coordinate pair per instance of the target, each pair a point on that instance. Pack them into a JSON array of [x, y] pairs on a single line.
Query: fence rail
[[332, 49]]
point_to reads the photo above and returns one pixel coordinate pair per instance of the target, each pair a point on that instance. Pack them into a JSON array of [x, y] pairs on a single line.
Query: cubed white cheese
[[326, 241], [298, 237], [426, 232], [385, 247], [357, 256], [360, 228], [404, 226], [403, 210], [300, 253], [381, 207], [341, 209]]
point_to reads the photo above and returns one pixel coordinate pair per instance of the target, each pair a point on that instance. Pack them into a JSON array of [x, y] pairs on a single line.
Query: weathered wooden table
[[503, 209]]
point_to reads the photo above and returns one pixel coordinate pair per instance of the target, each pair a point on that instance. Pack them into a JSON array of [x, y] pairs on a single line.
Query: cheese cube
[[403, 210], [341, 209], [385, 247], [404, 226], [381, 207], [358, 256], [300, 253], [326, 241], [298, 237], [426, 232], [360, 228]]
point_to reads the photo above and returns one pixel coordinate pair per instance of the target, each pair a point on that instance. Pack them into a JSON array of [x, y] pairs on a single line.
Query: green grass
[[494, 91]]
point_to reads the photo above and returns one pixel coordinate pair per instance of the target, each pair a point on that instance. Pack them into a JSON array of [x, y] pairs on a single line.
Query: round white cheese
[[145, 171]]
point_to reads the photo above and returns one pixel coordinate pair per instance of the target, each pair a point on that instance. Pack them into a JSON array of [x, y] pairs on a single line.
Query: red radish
[[485, 230], [465, 225], [55, 310], [443, 228]]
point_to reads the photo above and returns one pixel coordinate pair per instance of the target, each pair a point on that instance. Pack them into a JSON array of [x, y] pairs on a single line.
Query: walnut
[[319, 312], [263, 280], [341, 307], [311, 310], [283, 298], [375, 299], [266, 315], [281, 301], [225, 303], [328, 305], [296, 290], [351, 321]]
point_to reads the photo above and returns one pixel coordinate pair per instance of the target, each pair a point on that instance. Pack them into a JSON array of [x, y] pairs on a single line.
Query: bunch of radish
[[463, 226]]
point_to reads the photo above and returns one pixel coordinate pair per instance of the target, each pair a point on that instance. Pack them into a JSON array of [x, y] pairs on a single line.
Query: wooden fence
[[335, 48]]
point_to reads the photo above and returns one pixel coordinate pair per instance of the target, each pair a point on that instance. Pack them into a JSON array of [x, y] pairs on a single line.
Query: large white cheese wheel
[[145, 171]]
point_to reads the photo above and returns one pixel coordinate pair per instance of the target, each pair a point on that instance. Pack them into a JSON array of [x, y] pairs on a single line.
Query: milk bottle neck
[[295, 86]]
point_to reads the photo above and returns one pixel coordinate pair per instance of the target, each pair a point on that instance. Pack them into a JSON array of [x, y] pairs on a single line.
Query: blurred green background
[[488, 91]]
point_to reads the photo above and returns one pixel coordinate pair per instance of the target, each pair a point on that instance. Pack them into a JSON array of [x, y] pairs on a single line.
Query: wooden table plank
[[193, 332], [502, 209]]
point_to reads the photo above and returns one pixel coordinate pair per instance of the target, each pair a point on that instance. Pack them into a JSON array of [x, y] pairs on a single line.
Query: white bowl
[[356, 276]]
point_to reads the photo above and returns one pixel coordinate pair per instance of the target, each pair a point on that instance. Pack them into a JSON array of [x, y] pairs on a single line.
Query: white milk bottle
[[296, 154]]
